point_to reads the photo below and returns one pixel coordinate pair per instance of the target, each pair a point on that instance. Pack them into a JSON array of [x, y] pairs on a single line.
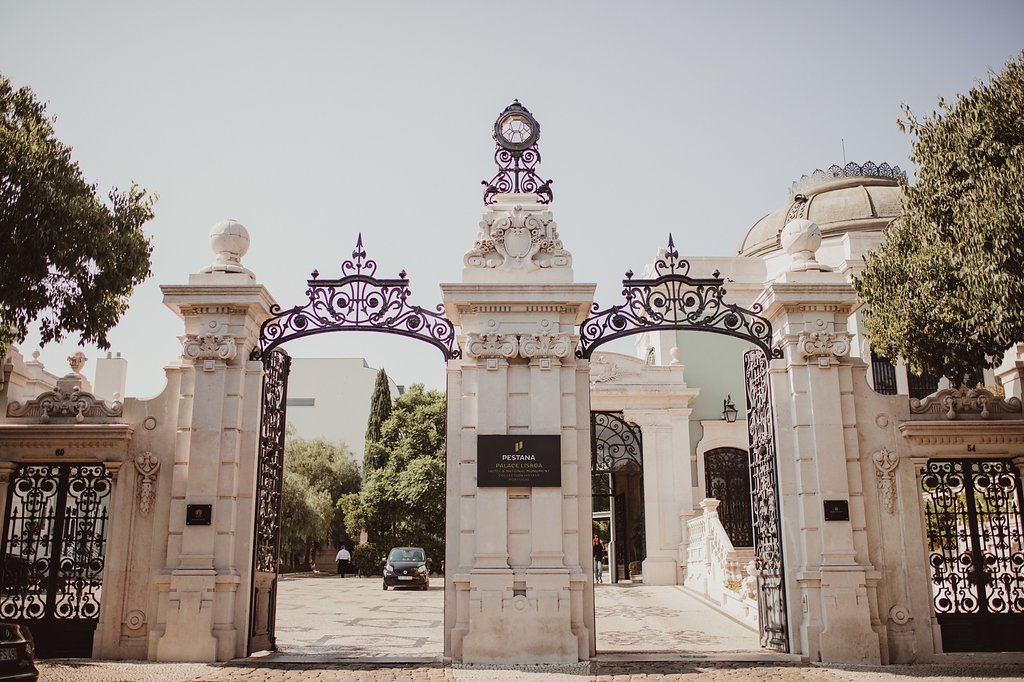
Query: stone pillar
[[518, 556], [826, 561], [204, 589]]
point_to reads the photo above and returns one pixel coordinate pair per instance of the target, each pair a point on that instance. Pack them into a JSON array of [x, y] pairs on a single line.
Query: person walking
[[598, 558], [344, 560]]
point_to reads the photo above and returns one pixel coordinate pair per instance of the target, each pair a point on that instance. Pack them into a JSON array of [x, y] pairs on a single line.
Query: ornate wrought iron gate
[[727, 479], [53, 554], [357, 301], [975, 529], [672, 300], [764, 485], [269, 476]]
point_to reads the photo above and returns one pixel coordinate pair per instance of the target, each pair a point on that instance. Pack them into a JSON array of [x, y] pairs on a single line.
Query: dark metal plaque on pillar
[[198, 514], [519, 461], [837, 510]]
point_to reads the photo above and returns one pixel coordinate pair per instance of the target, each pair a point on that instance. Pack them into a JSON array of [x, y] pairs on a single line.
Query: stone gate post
[[203, 601], [520, 586], [824, 530]]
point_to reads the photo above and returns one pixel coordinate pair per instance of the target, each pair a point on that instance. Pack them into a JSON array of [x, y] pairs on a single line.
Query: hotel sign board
[[519, 461]]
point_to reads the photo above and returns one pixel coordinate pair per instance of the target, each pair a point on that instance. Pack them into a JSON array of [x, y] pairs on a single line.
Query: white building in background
[[329, 398]]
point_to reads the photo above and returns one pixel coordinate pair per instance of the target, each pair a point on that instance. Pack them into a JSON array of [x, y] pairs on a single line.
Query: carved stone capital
[[492, 345], [885, 465], [209, 346], [545, 345], [517, 239], [824, 346], [147, 466]]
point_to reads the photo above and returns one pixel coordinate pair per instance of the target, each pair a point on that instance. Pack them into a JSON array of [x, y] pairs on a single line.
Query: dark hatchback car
[[17, 653], [406, 566]]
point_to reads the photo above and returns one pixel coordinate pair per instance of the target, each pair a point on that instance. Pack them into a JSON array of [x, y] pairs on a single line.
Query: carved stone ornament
[[147, 467], [209, 346], [517, 240], [492, 345], [825, 346], [951, 402], [885, 465], [62, 404], [545, 345], [603, 369], [899, 614]]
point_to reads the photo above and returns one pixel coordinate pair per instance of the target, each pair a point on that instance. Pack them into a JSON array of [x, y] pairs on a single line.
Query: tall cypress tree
[[374, 456]]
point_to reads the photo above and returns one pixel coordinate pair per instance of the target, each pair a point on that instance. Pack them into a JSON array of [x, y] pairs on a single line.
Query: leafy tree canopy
[[945, 291], [69, 261], [317, 474], [380, 410], [403, 502]]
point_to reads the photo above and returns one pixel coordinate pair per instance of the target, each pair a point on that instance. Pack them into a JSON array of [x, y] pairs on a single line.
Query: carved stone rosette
[[885, 464], [950, 402], [517, 239], [826, 347], [147, 467], [209, 346], [62, 403], [545, 345], [492, 345]]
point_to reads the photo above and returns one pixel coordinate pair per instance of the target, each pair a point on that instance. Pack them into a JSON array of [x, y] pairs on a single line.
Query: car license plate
[[405, 577], [8, 654]]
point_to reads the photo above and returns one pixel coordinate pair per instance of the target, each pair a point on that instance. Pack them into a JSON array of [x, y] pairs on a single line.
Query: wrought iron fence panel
[[616, 444], [727, 479]]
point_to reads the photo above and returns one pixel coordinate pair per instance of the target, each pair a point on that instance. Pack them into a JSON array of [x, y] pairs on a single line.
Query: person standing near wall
[[344, 560], [598, 558]]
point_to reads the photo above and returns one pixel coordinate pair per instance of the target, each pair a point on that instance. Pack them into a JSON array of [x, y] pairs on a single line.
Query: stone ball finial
[[230, 241], [801, 239]]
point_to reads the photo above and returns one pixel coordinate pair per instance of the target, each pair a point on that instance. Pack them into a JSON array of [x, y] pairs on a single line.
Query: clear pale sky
[[310, 122]]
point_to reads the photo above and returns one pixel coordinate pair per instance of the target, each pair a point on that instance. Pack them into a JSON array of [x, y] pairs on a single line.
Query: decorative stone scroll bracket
[[885, 465], [951, 402], [147, 466], [823, 345]]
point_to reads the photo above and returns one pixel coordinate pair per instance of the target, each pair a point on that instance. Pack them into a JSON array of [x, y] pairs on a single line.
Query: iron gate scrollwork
[[52, 553], [356, 301], [975, 530], [616, 448], [764, 489]]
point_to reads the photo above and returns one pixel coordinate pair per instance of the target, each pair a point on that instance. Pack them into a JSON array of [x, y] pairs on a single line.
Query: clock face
[[516, 131]]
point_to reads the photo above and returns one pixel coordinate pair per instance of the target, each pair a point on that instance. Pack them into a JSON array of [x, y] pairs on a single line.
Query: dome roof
[[851, 199]]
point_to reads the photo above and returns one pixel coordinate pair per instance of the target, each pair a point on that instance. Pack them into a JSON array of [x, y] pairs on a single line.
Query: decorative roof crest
[[850, 170]]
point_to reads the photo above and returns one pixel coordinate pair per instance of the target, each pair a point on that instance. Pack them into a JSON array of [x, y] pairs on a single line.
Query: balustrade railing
[[716, 569]]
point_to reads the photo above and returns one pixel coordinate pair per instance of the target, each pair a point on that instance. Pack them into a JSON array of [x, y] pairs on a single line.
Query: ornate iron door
[[269, 476], [727, 479], [52, 554], [616, 449], [975, 535], [764, 487]]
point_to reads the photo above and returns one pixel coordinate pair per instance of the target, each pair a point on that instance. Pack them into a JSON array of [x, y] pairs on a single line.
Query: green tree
[[945, 291], [380, 409], [69, 261], [403, 502], [317, 474]]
